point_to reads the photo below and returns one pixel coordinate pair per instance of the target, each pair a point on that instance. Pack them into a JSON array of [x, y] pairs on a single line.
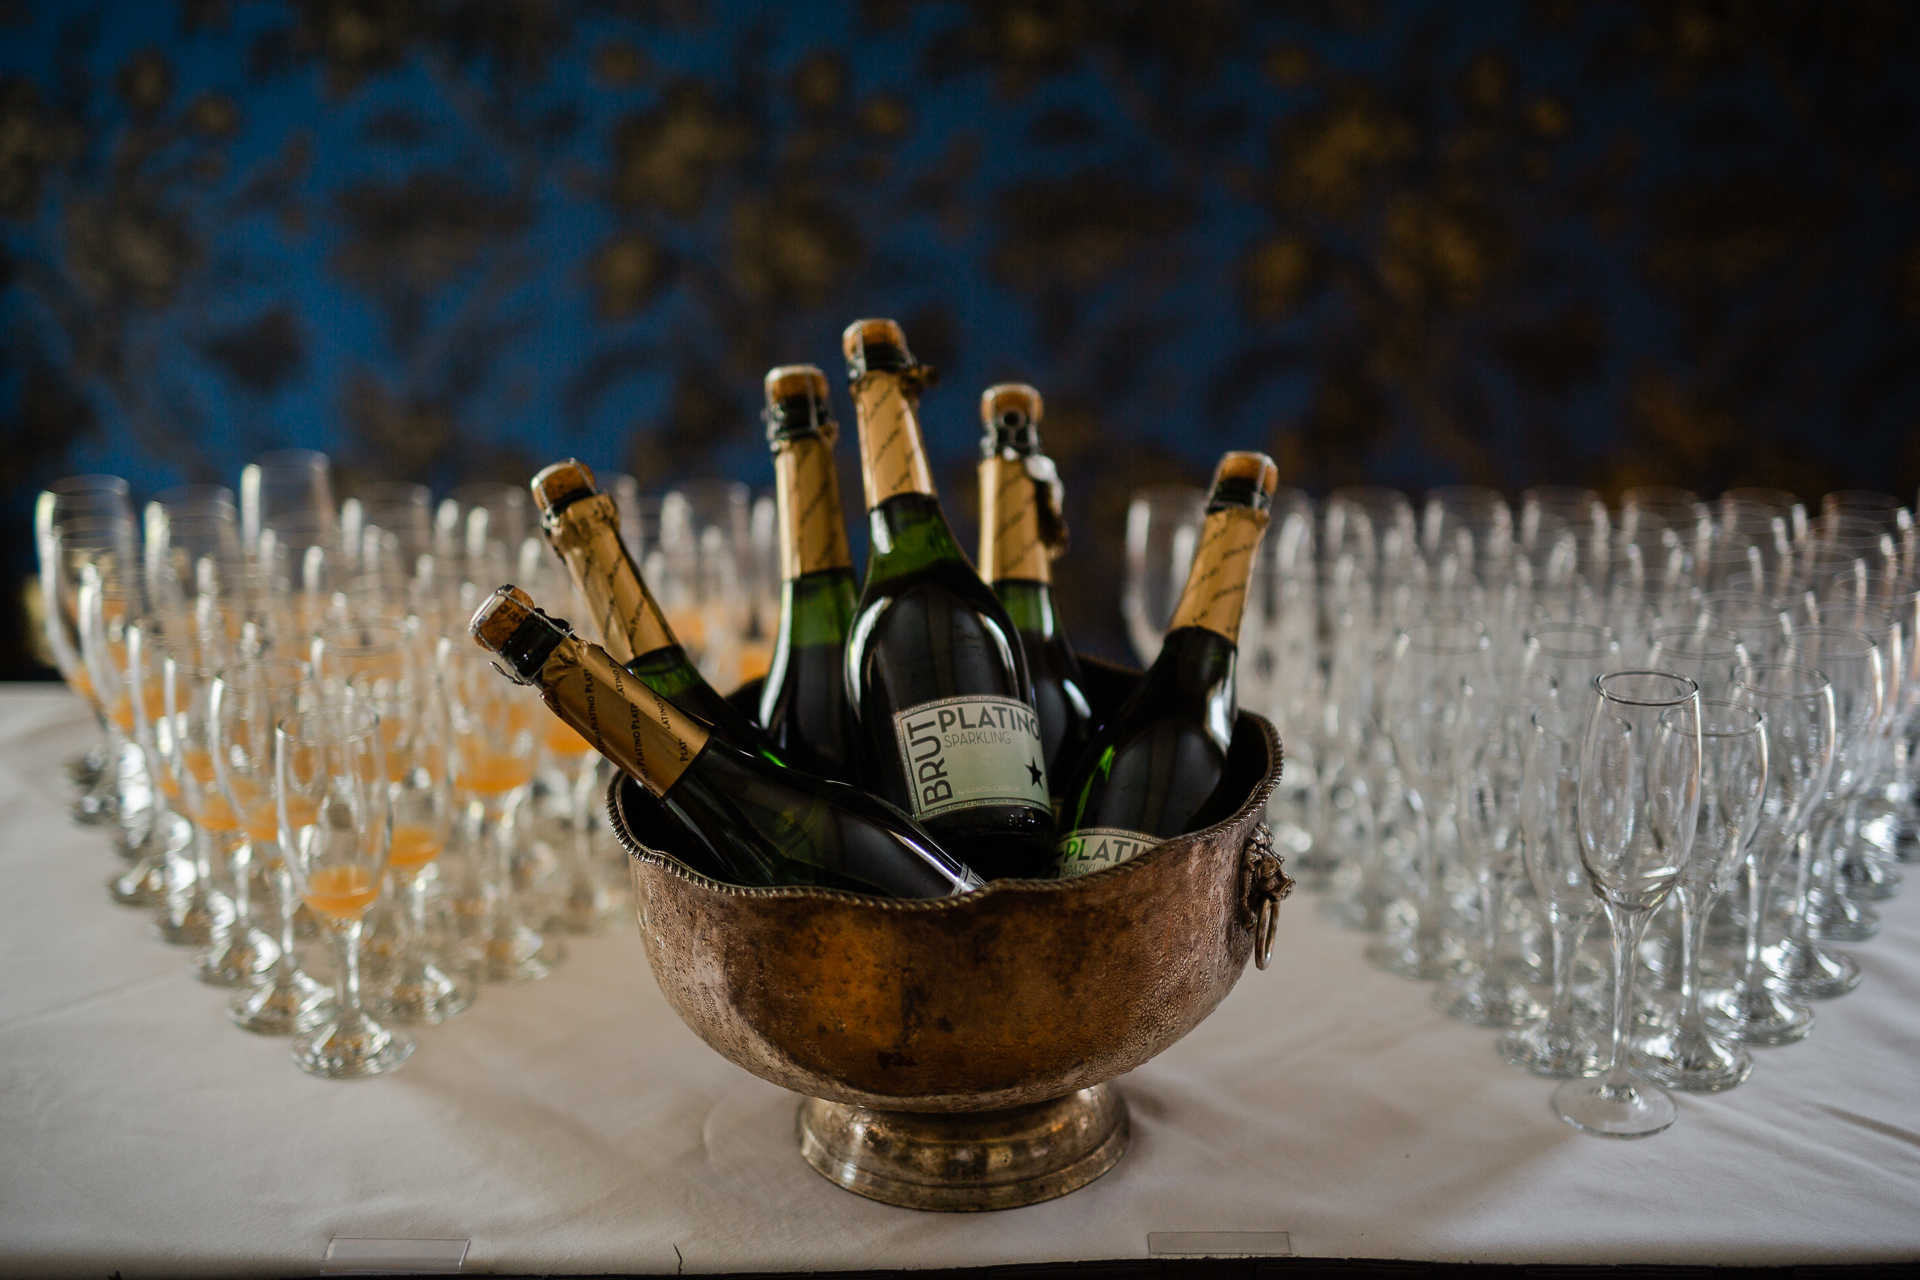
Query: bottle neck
[[1216, 592], [1011, 547], [813, 535], [817, 609], [893, 458], [1029, 606], [625, 721], [906, 533], [586, 534]]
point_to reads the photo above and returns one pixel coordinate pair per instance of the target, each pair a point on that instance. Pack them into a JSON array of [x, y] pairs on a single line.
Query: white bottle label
[[1093, 849], [960, 753]]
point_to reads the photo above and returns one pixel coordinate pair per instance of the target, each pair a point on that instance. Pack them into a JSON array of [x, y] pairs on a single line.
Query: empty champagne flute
[[1639, 800], [1558, 1045], [1163, 528], [247, 702], [281, 483], [1433, 664], [1797, 706], [336, 827], [1488, 765], [1854, 665], [1733, 781]]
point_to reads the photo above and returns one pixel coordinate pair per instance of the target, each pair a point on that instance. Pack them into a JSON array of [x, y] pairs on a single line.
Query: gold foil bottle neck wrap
[[1012, 545], [893, 458], [813, 534], [586, 533], [1216, 592], [624, 720]]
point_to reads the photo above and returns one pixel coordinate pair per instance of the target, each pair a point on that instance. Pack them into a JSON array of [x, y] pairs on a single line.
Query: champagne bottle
[[1151, 773], [944, 708], [759, 824], [804, 704], [583, 526], [1022, 529]]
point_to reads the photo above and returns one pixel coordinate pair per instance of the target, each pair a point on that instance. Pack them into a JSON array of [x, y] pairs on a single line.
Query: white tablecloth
[[574, 1125]]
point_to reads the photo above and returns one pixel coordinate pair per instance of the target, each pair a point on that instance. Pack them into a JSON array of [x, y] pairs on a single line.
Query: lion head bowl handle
[[1264, 884]]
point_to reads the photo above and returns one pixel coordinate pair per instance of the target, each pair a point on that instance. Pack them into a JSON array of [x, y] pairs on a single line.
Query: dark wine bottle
[[759, 824], [583, 527], [804, 705], [1150, 773], [945, 722], [1022, 530]]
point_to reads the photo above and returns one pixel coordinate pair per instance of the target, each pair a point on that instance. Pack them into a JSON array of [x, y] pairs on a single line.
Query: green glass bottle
[[803, 706], [583, 526], [1152, 772], [935, 671], [752, 822], [1022, 529]]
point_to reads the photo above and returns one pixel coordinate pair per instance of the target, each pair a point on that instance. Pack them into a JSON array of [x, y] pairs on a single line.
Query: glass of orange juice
[[425, 988], [74, 520], [108, 606], [240, 952], [336, 833], [246, 701], [494, 741]]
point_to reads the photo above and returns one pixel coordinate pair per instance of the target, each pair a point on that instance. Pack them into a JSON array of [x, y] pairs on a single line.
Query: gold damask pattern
[[1610, 243]]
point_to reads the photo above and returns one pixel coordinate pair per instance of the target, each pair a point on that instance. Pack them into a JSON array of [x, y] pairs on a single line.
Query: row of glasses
[[202, 631], [1425, 831]]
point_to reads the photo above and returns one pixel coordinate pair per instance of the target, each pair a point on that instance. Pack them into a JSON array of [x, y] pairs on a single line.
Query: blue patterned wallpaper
[[1411, 243]]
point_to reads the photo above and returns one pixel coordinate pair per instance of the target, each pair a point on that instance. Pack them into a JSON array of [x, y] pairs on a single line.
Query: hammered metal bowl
[[1006, 1009]]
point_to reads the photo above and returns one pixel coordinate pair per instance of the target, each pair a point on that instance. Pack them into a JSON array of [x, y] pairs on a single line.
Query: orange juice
[[344, 893], [414, 846], [493, 775], [81, 683], [216, 816], [168, 787], [199, 762], [263, 822], [562, 740], [155, 704]]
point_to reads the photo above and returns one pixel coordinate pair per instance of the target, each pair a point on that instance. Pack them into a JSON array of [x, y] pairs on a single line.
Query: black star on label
[[1033, 767]]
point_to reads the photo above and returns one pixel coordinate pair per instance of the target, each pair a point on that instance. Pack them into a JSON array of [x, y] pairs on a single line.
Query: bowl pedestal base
[[966, 1161]]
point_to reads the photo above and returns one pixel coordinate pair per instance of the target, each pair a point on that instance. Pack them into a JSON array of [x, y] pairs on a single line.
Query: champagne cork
[[500, 615], [1010, 406], [792, 381], [561, 484], [887, 339]]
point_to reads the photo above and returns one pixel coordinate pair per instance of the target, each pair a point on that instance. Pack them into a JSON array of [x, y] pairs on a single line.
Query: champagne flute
[[493, 746], [284, 482], [1733, 781], [1558, 1045], [336, 829], [240, 952], [100, 502], [247, 701], [1639, 801], [1797, 706], [195, 911], [1163, 528], [414, 729], [1488, 765], [1433, 664], [1854, 665]]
